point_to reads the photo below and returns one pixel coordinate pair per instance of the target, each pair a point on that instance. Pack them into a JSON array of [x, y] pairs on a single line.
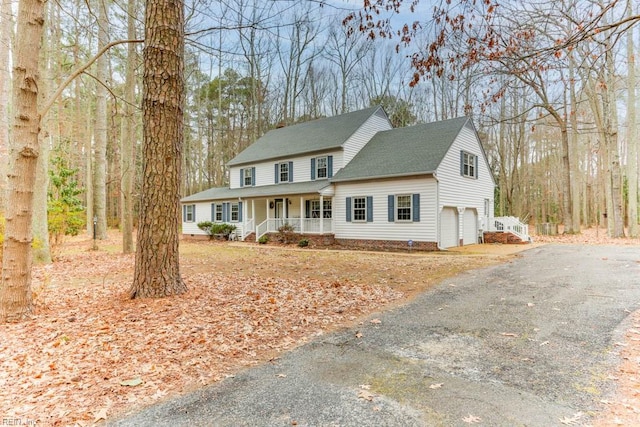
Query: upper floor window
[[468, 164], [247, 177], [283, 172], [321, 167]]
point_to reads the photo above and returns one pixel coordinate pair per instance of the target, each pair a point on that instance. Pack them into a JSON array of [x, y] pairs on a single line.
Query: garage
[[470, 227], [448, 228]]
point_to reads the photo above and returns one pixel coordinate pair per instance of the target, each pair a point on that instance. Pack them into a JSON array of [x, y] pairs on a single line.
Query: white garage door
[[470, 227], [449, 228]]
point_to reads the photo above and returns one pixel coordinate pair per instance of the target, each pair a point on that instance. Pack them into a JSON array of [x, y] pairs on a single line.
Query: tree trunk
[[157, 271], [100, 163], [632, 134], [15, 284], [128, 151], [6, 25], [611, 128]]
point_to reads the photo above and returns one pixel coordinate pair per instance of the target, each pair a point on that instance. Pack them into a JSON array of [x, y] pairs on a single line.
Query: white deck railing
[[510, 224]]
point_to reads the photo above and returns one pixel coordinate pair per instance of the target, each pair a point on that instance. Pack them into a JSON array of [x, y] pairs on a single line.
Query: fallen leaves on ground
[[90, 352]]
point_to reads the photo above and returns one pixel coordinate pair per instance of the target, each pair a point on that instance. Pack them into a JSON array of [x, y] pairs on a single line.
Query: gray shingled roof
[[404, 151], [313, 136], [224, 193]]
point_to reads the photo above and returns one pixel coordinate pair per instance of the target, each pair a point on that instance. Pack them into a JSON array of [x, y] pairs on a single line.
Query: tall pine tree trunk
[[15, 283], [157, 270]]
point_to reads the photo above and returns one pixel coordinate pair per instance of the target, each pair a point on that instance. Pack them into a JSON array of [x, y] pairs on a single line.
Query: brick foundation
[[386, 245], [501, 237]]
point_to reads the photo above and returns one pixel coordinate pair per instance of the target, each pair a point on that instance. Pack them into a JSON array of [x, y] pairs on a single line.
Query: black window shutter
[[253, 176], [462, 163], [290, 171], [369, 208], [184, 213], [313, 169], [277, 175], [348, 203], [391, 208], [213, 212], [329, 166], [416, 207], [239, 211], [241, 177]]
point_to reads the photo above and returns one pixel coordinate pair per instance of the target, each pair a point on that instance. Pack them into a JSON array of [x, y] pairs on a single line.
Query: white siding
[[380, 228], [458, 191], [359, 139], [203, 213], [265, 173]]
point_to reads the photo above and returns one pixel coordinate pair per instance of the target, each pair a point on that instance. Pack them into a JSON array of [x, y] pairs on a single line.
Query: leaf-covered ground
[[89, 353]]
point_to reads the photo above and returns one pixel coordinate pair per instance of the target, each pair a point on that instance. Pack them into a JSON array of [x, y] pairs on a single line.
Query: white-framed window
[[247, 178], [314, 208], [189, 213], [284, 172], [327, 209], [322, 167], [218, 213], [359, 209], [469, 165], [235, 209], [403, 207]]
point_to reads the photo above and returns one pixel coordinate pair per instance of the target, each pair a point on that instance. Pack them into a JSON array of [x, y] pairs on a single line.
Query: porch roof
[[285, 189]]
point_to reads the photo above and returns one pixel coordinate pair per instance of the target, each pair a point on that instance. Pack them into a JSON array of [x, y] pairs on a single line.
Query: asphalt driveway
[[530, 342]]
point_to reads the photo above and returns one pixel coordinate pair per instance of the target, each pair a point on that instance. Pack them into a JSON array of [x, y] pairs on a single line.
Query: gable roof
[[313, 136], [404, 151]]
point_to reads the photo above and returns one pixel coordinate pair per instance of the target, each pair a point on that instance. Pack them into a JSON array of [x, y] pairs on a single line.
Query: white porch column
[[301, 215], [253, 216], [321, 214]]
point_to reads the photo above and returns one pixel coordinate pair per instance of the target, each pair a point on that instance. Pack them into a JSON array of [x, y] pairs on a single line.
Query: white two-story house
[[356, 181]]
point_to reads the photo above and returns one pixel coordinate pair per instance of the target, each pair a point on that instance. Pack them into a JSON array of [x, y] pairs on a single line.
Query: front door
[[279, 212]]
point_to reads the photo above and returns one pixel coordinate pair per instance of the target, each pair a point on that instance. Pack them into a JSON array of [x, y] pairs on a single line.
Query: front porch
[[306, 214]]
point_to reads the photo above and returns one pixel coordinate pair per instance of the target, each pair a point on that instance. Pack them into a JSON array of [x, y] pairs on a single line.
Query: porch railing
[[300, 225], [249, 227], [510, 224]]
